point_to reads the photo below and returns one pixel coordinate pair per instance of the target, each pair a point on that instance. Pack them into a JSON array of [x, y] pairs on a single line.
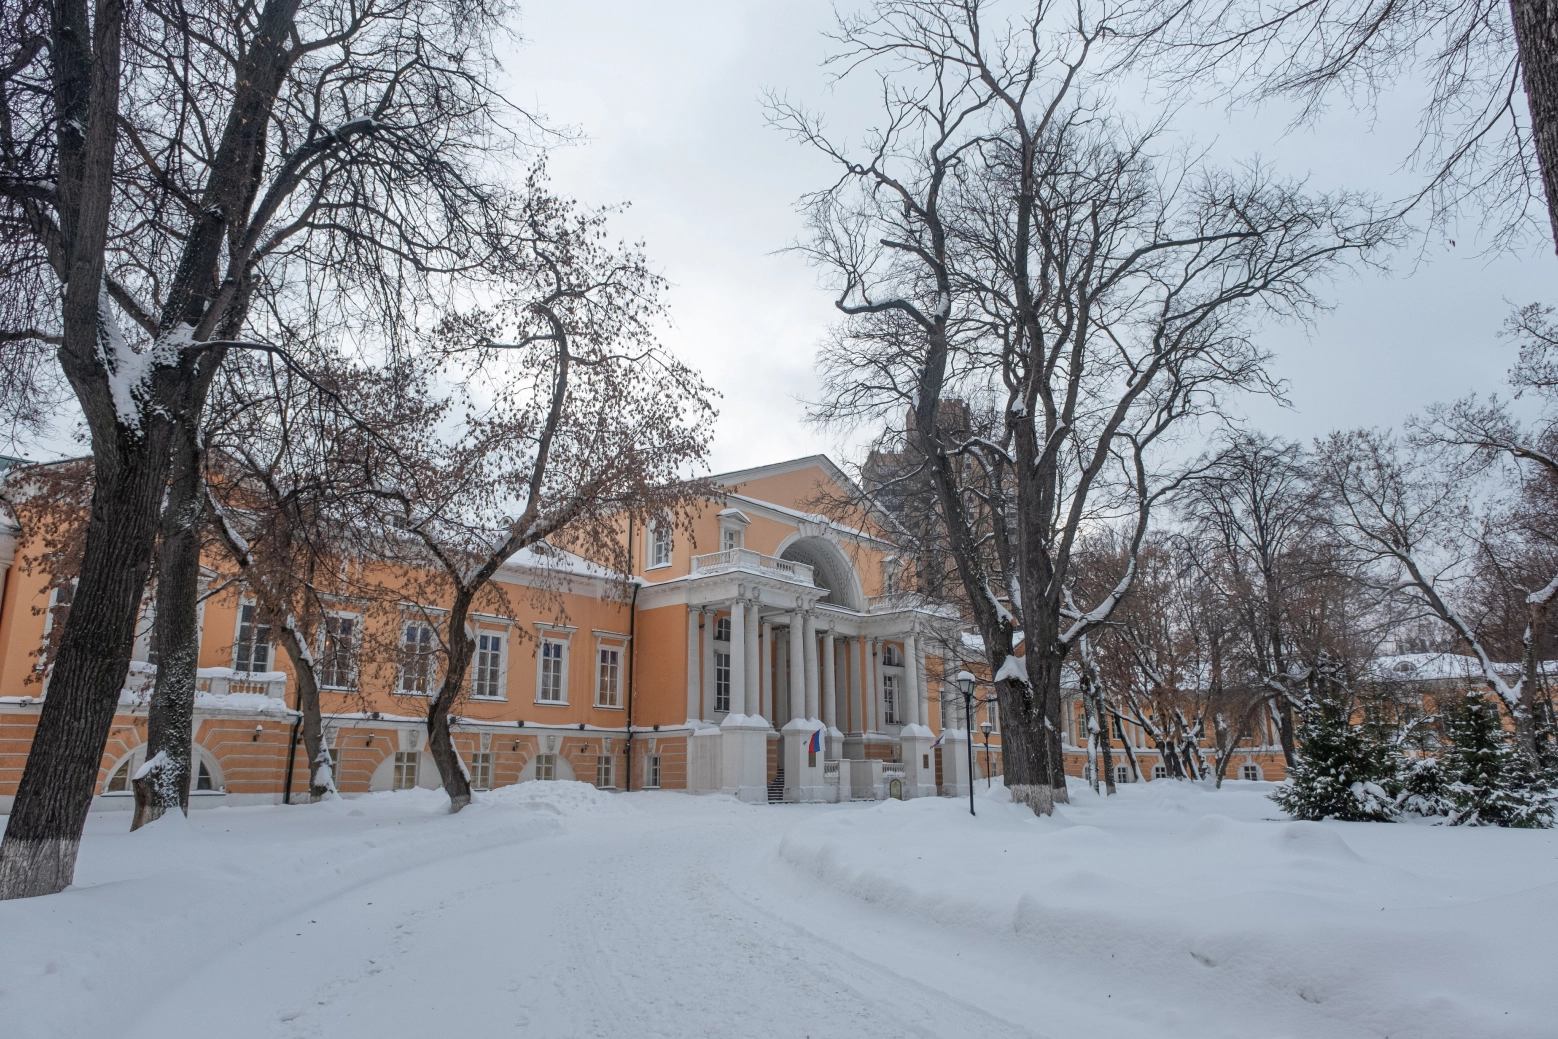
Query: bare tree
[[1488, 128], [318, 161], [591, 426], [1256, 537], [1419, 523], [1019, 239]]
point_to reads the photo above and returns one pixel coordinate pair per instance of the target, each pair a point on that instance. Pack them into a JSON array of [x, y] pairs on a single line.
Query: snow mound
[[1178, 894], [560, 797]]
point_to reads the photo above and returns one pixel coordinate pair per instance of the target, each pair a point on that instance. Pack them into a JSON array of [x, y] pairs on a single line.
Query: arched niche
[[831, 569]]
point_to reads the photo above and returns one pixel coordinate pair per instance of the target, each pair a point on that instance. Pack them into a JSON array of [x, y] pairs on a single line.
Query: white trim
[[400, 669], [601, 645], [564, 641], [503, 665], [652, 531], [270, 646], [356, 671]]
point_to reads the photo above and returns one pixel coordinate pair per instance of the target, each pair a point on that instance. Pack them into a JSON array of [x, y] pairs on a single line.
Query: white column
[[797, 668], [708, 663], [766, 653], [738, 657], [830, 712], [810, 625], [693, 690], [754, 701], [911, 681], [851, 683], [874, 680]]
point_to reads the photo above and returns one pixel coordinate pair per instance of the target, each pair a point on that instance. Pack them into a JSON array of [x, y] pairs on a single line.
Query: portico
[[780, 648]]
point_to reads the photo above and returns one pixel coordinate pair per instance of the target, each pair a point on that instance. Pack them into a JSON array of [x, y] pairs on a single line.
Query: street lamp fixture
[[985, 728], [965, 682]]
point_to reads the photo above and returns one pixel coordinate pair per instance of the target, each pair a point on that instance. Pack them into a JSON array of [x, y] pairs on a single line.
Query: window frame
[[890, 697], [548, 759], [405, 760], [248, 602], [401, 672], [652, 772], [722, 674], [353, 663], [481, 770], [606, 764], [497, 674], [617, 650], [659, 537], [553, 634]]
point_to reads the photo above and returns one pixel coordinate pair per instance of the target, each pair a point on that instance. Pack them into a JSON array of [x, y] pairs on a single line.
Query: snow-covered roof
[[1422, 667]]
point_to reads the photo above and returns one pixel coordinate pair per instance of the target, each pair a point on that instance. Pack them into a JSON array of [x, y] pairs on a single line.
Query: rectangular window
[[146, 632], [549, 685], [993, 709], [722, 682], [890, 699], [251, 653], [59, 605], [652, 773], [605, 778], [405, 769], [608, 691], [729, 539], [481, 771], [338, 657], [418, 658], [546, 766], [659, 545], [487, 669]]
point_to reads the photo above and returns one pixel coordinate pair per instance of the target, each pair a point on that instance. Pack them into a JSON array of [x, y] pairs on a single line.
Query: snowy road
[[557, 911]]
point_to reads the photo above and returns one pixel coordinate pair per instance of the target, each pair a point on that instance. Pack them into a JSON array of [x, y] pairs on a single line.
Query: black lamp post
[[985, 728], [966, 687]]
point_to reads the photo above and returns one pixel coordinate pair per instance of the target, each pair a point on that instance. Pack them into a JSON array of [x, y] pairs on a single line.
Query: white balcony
[[752, 562]]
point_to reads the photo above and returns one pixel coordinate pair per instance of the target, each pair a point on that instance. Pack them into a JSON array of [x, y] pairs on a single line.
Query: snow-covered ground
[[550, 909]]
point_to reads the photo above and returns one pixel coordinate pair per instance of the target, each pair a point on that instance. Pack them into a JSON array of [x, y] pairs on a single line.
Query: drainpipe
[[632, 626], [632, 658], [292, 751]]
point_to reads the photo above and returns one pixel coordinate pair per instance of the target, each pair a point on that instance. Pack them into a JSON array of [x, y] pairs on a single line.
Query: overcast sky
[[668, 96]]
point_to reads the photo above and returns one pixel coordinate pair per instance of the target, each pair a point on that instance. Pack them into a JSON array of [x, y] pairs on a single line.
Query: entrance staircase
[[776, 788]]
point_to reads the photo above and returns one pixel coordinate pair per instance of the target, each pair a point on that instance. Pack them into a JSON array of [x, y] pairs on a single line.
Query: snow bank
[[1176, 896], [562, 797]]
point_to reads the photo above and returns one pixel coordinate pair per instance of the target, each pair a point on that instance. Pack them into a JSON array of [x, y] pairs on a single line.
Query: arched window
[[722, 630], [891, 656], [203, 780]]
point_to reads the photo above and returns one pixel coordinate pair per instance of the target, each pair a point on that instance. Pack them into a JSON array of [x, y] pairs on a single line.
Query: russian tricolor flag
[[939, 738], [815, 746]]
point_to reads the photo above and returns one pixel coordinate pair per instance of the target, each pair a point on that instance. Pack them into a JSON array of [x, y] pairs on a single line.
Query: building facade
[[766, 653]]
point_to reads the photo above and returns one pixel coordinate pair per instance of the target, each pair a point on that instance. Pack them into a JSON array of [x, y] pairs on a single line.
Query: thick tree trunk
[[171, 714], [1285, 732], [43, 834], [1107, 752], [38, 856], [1035, 772], [440, 741], [322, 780], [1536, 38]]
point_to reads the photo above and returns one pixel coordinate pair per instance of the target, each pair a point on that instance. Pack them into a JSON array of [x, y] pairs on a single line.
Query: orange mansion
[[766, 625]]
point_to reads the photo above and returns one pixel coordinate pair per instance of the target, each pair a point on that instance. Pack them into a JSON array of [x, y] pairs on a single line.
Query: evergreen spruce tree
[[1342, 770], [1488, 782]]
